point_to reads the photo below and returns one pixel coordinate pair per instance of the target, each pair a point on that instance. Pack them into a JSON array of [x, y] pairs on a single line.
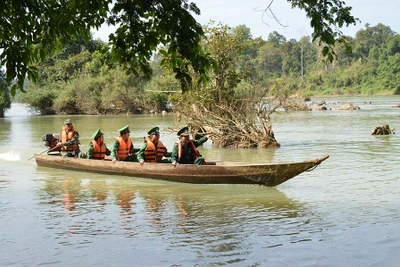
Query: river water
[[343, 213]]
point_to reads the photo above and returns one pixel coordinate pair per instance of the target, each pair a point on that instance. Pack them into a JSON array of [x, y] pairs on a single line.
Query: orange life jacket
[[153, 154], [99, 151], [123, 148], [196, 152], [67, 135]]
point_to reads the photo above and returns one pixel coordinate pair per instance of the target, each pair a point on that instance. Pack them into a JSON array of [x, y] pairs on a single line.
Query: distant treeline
[[82, 78]]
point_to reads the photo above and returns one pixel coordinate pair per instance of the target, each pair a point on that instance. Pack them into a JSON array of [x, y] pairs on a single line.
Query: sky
[[239, 12]]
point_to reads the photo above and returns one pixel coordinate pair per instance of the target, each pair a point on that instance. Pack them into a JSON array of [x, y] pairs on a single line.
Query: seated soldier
[[122, 148], [153, 150], [185, 150], [97, 148], [69, 140]]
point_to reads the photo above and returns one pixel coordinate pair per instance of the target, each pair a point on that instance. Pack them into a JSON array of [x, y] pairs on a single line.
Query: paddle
[[47, 150]]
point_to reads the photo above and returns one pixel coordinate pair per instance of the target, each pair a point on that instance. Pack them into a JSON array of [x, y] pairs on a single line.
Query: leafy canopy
[[31, 30]]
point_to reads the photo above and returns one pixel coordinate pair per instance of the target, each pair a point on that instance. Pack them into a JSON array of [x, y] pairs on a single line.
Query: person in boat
[[122, 148], [153, 150], [185, 150], [97, 148], [69, 140]]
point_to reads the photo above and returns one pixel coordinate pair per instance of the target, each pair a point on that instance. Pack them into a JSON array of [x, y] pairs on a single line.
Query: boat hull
[[269, 174]]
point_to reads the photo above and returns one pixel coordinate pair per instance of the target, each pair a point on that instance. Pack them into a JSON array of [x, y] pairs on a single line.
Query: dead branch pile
[[242, 124]]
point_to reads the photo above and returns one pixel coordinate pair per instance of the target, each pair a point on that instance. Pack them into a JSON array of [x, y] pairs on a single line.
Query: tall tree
[[231, 108], [371, 36]]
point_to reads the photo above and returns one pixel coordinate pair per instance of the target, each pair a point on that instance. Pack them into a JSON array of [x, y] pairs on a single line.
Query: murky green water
[[344, 213]]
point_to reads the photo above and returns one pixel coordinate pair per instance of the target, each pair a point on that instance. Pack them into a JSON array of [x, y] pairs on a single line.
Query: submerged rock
[[348, 106]]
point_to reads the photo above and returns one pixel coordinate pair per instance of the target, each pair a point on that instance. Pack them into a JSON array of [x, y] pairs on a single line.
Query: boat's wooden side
[[270, 174]]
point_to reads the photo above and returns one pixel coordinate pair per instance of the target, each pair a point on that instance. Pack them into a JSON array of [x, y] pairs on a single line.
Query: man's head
[[124, 132], [154, 134], [184, 135], [98, 135], [68, 123]]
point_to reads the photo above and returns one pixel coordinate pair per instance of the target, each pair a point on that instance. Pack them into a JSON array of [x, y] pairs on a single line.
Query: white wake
[[10, 156]]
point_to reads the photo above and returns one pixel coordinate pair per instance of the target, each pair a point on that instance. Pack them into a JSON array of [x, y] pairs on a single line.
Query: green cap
[[183, 131], [67, 121], [155, 130], [97, 134], [124, 130]]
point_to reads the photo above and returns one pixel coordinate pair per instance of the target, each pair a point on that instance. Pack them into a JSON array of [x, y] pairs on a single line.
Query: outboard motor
[[51, 141]]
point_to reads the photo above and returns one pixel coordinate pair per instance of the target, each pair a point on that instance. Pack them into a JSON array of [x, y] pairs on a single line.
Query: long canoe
[[269, 174]]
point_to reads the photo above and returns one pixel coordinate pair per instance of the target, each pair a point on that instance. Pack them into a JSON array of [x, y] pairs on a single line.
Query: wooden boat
[[269, 174]]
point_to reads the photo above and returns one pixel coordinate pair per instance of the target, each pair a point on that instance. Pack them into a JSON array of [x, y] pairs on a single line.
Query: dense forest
[[82, 78]]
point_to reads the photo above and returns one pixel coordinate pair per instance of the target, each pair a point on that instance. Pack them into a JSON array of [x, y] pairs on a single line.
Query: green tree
[[276, 39], [56, 74], [231, 106], [5, 99], [393, 45], [307, 55], [371, 36], [31, 30], [225, 46], [243, 32], [269, 60]]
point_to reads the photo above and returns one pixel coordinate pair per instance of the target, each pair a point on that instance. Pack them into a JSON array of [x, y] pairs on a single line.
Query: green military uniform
[[115, 146], [74, 141], [89, 152], [140, 153], [76, 153], [188, 155]]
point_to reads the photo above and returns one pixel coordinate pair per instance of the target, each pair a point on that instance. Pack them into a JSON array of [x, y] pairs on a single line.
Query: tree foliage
[[327, 18], [78, 81], [31, 30]]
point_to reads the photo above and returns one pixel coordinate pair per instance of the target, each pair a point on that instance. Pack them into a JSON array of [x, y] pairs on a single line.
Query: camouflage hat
[[67, 121], [97, 134], [155, 130], [124, 130], [183, 131]]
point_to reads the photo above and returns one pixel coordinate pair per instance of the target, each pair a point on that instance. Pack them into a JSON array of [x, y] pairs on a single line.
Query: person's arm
[[108, 152], [63, 137], [114, 150], [140, 153], [174, 155], [131, 149], [200, 141], [90, 152]]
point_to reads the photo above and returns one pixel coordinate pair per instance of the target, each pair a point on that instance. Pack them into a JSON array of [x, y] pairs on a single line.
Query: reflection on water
[[213, 220], [5, 126]]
